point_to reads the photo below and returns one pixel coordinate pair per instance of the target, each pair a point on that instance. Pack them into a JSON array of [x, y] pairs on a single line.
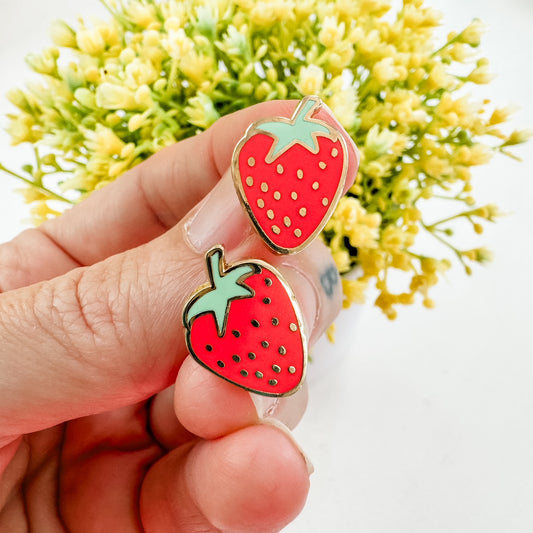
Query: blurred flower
[[115, 92]]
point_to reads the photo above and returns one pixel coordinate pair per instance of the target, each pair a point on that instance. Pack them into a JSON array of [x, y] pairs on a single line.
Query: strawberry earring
[[289, 175], [246, 327]]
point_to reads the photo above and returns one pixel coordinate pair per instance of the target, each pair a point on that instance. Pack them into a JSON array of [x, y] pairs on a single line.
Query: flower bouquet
[[110, 94]]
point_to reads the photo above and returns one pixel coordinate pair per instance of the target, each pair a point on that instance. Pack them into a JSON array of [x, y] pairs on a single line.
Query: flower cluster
[[113, 93]]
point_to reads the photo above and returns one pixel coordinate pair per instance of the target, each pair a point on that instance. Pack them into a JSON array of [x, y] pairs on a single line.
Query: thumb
[[109, 335]]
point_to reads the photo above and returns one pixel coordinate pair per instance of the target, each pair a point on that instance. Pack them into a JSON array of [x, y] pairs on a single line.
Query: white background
[[424, 424]]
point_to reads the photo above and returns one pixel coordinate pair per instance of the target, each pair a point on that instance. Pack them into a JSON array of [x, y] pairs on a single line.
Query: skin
[[106, 424]]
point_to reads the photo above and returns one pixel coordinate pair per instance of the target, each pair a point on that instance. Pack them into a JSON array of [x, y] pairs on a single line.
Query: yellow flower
[[201, 111], [112, 96], [177, 44], [21, 129], [311, 80], [198, 67], [19, 99], [378, 143], [385, 71], [141, 14], [139, 73], [62, 34], [473, 33], [44, 63], [267, 12], [481, 74], [478, 154], [518, 137], [354, 291], [439, 78], [331, 33], [90, 41], [481, 255], [330, 333], [103, 141], [343, 103], [501, 115]]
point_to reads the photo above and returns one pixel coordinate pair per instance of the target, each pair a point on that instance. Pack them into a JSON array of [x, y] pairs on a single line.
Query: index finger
[[140, 205], [156, 194]]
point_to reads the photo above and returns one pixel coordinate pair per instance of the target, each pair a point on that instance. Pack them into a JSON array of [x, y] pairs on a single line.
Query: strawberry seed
[[315, 185], [267, 300], [276, 369], [264, 344], [260, 203], [303, 211], [322, 165], [236, 358], [255, 323], [325, 201], [292, 370], [251, 356], [287, 221], [280, 169], [221, 364], [277, 195], [282, 350], [275, 321], [236, 333], [298, 232], [259, 374], [244, 373], [276, 230], [334, 152], [294, 195], [293, 326], [268, 282], [251, 162], [270, 214], [249, 181], [273, 382], [264, 187], [300, 173], [208, 347]]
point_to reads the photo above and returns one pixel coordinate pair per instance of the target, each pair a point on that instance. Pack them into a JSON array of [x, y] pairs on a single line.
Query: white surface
[[426, 425]]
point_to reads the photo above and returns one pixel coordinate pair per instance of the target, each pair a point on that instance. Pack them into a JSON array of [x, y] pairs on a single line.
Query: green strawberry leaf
[[226, 286], [301, 129]]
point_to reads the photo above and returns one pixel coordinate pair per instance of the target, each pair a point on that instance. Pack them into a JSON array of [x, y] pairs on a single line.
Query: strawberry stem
[[300, 129], [226, 286], [305, 109], [215, 265]]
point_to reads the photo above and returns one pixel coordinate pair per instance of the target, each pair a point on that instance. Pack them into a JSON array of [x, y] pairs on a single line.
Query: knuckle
[[85, 313]]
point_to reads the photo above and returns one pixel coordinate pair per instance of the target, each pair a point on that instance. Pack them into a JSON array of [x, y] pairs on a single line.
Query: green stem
[[449, 43], [41, 187], [447, 244], [215, 265], [466, 214]]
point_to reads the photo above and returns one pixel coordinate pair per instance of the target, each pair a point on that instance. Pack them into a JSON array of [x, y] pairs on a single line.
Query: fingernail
[[288, 433], [217, 219], [265, 405], [315, 280]]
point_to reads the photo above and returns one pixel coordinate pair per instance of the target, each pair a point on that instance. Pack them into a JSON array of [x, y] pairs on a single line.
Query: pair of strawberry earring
[[245, 324]]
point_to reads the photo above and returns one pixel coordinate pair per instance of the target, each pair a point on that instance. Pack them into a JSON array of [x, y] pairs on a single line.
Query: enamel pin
[[246, 327], [289, 175]]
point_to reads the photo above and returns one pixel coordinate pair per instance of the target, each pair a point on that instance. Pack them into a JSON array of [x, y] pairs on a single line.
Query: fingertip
[[252, 480], [209, 406]]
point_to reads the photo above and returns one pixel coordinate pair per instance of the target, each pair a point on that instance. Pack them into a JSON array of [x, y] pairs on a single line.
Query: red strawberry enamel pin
[[245, 326], [289, 175]]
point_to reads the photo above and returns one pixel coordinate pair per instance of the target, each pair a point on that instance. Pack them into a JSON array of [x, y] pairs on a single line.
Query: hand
[[105, 423]]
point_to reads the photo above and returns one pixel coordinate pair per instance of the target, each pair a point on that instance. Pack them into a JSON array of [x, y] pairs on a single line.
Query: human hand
[[105, 423]]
